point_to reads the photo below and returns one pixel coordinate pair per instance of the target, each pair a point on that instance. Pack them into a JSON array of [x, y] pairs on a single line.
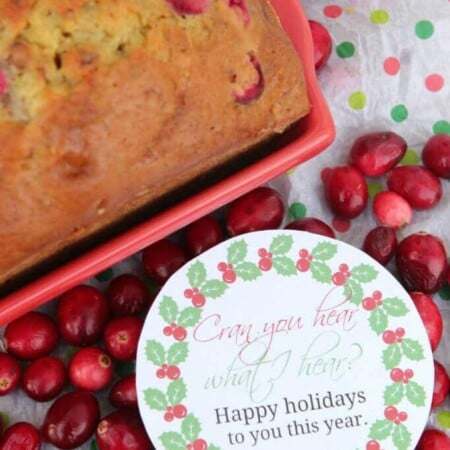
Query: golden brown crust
[[96, 133]]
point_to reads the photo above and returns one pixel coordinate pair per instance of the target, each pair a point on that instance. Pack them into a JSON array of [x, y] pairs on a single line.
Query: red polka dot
[[332, 11], [341, 225], [391, 65], [434, 82]]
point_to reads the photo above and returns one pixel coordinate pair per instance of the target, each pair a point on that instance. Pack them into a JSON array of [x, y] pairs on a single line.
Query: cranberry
[[30, 336], [161, 259], [431, 317], [391, 209], [441, 385], [259, 209], [90, 368], [346, 191], [421, 262], [436, 155], [127, 295], [44, 378], [433, 440], [374, 154], [418, 185], [203, 234], [322, 43], [241, 7], [253, 91], [186, 7], [21, 436], [121, 337], [122, 430], [71, 420], [380, 243], [10, 373], [81, 314], [312, 225], [123, 393]]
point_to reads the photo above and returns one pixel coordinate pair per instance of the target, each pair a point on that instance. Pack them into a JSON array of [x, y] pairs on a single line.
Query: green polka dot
[[424, 29], [445, 292], [443, 417], [399, 113], [441, 127], [374, 187], [345, 49], [297, 211], [379, 16], [411, 158], [357, 100], [106, 275]]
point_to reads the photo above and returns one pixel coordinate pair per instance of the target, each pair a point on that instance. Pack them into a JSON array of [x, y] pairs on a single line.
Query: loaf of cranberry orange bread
[[107, 105]]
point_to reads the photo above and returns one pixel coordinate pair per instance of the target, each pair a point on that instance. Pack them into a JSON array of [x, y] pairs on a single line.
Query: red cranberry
[[322, 43], [433, 440], [127, 295], [374, 154], [44, 378], [123, 393], [380, 243], [431, 317], [436, 155], [345, 191], [30, 336], [203, 234], [161, 259], [121, 337], [391, 209], [259, 209], [10, 373], [421, 262], [312, 225], [82, 313], [186, 7], [441, 385], [21, 436], [254, 91], [419, 186]]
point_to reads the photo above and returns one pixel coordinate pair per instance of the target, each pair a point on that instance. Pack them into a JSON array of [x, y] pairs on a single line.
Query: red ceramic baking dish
[[308, 138]]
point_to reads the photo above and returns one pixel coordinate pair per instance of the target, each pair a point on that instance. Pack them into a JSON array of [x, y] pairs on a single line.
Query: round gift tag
[[284, 339]]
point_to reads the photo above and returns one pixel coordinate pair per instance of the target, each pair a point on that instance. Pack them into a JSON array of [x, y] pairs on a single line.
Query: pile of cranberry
[[101, 328]]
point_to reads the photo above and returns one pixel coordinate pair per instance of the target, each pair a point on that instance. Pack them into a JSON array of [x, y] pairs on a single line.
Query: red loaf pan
[[311, 136]]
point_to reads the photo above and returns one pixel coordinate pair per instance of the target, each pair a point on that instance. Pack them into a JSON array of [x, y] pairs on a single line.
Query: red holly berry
[[173, 372], [161, 373], [229, 276], [179, 411], [188, 293], [303, 265], [265, 264], [402, 416], [338, 278], [373, 445], [179, 333], [397, 375], [389, 337], [262, 252], [198, 300], [399, 332], [168, 330], [168, 416], [222, 266], [369, 303], [390, 413], [409, 373], [199, 444]]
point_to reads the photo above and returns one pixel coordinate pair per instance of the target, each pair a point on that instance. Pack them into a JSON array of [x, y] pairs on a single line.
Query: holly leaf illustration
[[412, 349], [155, 399], [213, 288], [392, 356], [177, 353], [281, 245], [284, 265], [155, 352], [237, 252], [393, 394], [324, 251], [378, 320], [381, 429], [353, 291], [364, 273], [173, 441], [189, 316], [248, 271], [401, 437], [394, 306], [168, 309], [190, 427], [196, 274], [415, 393], [320, 271], [176, 392]]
